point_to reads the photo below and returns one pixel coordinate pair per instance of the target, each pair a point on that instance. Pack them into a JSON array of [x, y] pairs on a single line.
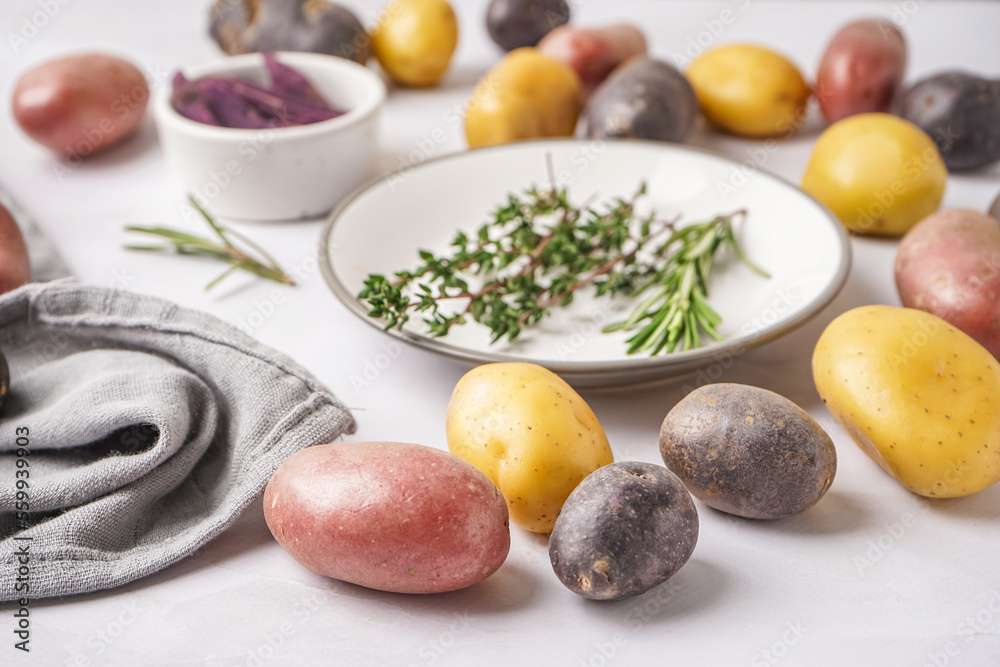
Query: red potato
[[862, 69], [593, 54], [79, 104], [389, 516], [949, 266], [14, 266]]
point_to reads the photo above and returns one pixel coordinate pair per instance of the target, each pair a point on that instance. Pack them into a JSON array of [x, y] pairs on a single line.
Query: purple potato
[[643, 99], [961, 113], [626, 528], [318, 26], [748, 451], [516, 23]]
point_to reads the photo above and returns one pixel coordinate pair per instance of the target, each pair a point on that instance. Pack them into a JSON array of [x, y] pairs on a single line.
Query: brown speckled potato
[[748, 451], [626, 528], [389, 516]]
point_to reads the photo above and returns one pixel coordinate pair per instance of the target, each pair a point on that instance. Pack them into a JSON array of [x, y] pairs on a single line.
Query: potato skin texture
[[748, 451], [961, 112], [513, 24], [949, 265], [527, 95], [415, 42], [390, 516], [594, 54], [861, 70], [530, 432], [878, 173], [921, 398], [80, 104], [15, 268], [749, 90], [643, 99], [626, 528]]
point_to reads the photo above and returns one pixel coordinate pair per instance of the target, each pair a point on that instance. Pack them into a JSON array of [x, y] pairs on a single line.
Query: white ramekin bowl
[[283, 173]]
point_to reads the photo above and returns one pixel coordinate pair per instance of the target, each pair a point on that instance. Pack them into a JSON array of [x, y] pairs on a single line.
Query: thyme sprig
[[539, 250], [182, 243]]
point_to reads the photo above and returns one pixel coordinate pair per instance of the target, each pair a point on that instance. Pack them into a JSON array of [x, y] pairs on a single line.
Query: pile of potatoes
[[525, 448]]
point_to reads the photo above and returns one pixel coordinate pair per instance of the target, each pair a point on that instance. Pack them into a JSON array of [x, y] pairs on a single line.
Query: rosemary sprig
[[182, 243], [539, 250]]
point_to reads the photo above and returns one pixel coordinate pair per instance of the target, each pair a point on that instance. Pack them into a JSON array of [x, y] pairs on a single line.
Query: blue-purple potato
[[390, 516], [516, 23], [748, 451], [642, 99], [317, 26], [961, 113], [627, 527]]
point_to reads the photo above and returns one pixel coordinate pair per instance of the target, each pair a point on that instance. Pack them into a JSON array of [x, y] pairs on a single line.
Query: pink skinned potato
[[14, 267], [390, 516], [80, 104], [949, 266], [593, 54], [862, 69]]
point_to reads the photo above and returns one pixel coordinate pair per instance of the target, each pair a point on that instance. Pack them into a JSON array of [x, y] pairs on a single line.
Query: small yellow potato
[[878, 173], [415, 39], [921, 398], [527, 95], [531, 433], [749, 90]]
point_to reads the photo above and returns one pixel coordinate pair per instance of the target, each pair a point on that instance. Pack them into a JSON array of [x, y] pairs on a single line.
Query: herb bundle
[[539, 250]]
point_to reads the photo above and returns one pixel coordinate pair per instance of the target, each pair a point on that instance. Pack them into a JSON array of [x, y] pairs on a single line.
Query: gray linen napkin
[[147, 428]]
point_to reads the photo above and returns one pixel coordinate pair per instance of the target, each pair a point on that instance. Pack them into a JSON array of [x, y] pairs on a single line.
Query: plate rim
[[680, 361]]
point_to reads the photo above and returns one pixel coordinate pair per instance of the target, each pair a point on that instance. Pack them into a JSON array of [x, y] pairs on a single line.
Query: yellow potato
[[415, 39], [531, 434], [878, 173], [526, 96], [749, 90], [921, 398]]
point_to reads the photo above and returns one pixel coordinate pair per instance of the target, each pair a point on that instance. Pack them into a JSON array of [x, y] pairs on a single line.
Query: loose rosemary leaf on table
[[183, 243], [538, 250]]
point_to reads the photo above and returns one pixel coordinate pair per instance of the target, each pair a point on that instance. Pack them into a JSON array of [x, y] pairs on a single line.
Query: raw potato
[[862, 69], [593, 54], [748, 451], [389, 516], [513, 24], [949, 265], [878, 173], [15, 269], [528, 95], [961, 112], [531, 434], [626, 528], [921, 398], [80, 104], [318, 26], [644, 99], [749, 90], [415, 41]]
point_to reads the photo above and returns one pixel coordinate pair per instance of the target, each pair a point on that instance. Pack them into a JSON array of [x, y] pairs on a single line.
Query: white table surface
[[870, 576]]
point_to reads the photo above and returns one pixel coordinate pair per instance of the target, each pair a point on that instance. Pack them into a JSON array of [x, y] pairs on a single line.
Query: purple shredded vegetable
[[290, 100]]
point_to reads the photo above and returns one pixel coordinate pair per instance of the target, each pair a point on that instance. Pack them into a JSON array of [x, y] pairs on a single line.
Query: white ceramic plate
[[800, 243]]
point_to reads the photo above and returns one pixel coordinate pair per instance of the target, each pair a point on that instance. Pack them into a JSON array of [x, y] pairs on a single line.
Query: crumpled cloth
[[147, 428]]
